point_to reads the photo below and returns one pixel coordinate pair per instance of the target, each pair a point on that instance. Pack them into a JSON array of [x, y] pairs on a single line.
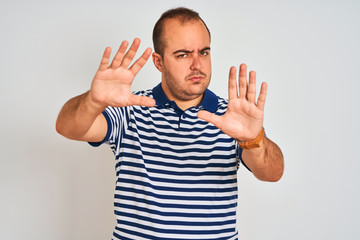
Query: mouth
[[196, 77]]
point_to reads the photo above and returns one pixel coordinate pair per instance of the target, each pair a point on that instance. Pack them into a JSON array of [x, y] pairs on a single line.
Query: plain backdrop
[[307, 52]]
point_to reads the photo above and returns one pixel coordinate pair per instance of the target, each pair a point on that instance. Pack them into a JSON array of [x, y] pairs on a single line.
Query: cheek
[[179, 70], [208, 64]]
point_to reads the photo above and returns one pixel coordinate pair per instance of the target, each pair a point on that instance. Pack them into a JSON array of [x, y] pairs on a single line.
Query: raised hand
[[244, 116], [111, 85]]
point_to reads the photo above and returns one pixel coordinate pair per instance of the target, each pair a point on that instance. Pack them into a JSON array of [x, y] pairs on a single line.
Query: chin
[[195, 93]]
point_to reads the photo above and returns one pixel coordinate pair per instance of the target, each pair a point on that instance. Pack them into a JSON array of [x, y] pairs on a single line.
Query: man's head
[[182, 55], [183, 15]]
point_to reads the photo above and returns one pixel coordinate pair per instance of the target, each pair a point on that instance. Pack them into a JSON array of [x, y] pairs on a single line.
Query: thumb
[[142, 101], [210, 117]]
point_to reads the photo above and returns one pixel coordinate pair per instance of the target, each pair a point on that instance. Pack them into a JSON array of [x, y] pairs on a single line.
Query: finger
[[135, 68], [129, 56], [262, 96], [105, 59], [251, 91], [119, 55], [210, 117], [233, 91], [242, 81], [142, 101]]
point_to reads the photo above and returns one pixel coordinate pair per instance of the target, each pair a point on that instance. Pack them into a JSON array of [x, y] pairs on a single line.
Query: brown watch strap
[[253, 143]]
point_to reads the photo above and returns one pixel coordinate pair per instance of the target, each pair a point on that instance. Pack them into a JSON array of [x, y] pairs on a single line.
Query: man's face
[[186, 70]]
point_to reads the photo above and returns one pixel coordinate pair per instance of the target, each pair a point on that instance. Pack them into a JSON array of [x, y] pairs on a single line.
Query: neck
[[183, 102], [184, 105]]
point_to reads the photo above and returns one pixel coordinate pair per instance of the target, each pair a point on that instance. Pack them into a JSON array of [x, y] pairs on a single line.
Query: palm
[[242, 120], [111, 85], [244, 117]]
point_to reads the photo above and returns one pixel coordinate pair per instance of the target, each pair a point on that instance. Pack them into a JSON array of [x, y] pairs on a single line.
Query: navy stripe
[[177, 189], [183, 223], [175, 157], [151, 125], [150, 131], [175, 231], [190, 165], [186, 150], [181, 143], [157, 120]]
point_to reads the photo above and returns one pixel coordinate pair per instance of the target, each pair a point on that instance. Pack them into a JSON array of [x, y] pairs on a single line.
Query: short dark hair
[[183, 14]]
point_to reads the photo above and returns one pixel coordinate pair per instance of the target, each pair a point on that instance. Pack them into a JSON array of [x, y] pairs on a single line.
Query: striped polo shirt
[[176, 174]]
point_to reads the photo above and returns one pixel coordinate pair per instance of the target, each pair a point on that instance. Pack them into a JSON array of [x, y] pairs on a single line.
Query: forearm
[[76, 118], [265, 162]]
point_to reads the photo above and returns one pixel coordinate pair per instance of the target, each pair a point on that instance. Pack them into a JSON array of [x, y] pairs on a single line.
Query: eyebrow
[[187, 51]]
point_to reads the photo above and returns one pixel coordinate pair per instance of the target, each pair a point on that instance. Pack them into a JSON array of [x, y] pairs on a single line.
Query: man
[[177, 146]]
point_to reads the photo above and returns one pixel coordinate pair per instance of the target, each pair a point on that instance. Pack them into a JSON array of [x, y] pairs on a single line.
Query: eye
[[182, 55], [204, 53]]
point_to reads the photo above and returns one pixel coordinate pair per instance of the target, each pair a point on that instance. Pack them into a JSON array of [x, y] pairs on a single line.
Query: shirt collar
[[209, 101]]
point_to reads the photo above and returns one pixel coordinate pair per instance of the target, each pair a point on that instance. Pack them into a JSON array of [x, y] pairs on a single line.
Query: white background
[[307, 51]]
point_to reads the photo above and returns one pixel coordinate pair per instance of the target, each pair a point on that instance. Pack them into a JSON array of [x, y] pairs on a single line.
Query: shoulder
[[222, 106], [146, 93], [222, 102]]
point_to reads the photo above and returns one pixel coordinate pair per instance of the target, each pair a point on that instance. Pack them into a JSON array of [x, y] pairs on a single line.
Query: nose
[[195, 65]]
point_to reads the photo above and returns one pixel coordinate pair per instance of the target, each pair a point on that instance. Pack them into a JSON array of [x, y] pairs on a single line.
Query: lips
[[196, 76]]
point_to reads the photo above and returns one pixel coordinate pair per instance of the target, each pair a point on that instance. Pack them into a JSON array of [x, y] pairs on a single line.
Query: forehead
[[190, 35]]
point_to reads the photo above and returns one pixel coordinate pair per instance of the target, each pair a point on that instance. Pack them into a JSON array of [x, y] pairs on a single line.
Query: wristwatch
[[253, 143]]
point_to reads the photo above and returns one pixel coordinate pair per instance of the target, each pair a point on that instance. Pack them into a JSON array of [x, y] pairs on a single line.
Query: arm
[[265, 162], [81, 118], [243, 121]]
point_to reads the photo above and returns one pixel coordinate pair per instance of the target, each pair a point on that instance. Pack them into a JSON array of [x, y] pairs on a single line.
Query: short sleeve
[[108, 133], [115, 118]]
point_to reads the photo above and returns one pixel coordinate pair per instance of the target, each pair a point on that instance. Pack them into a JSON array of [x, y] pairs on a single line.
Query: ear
[[158, 61]]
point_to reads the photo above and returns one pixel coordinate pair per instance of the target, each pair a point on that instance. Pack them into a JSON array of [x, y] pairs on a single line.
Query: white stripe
[[172, 210], [165, 235], [177, 227], [176, 177], [173, 218], [177, 185], [177, 193]]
